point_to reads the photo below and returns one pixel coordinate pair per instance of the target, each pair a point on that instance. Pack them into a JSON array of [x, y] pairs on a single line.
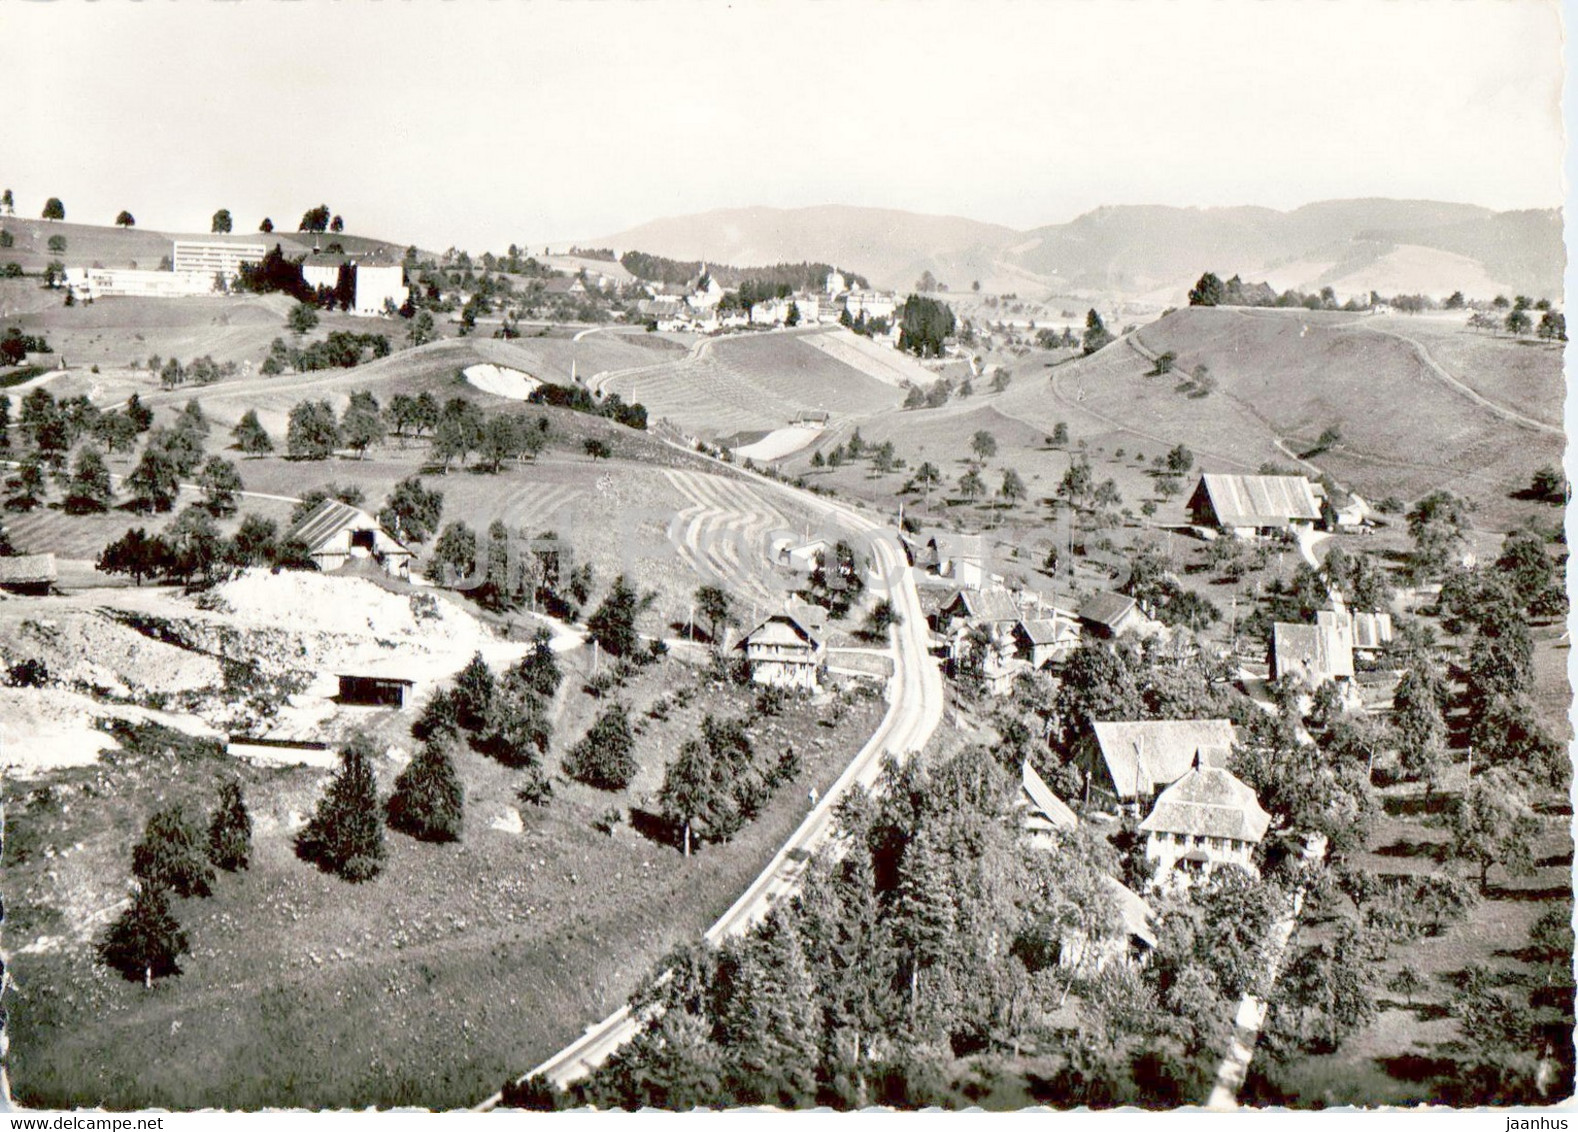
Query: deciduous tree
[[250, 435]]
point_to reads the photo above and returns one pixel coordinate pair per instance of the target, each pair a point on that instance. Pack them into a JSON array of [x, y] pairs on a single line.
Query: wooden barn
[[1254, 505], [28, 574], [336, 534]]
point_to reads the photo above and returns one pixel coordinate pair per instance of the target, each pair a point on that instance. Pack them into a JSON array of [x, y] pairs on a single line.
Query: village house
[[336, 534], [1130, 944], [1128, 762], [1110, 615], [30, 574], [1313, 654], [959, 558], [988, 614], [802, 556], [871, 304], [1044, 641], [374, 286], [564, 286], [788, 649], [1205, 821], [1253, 505], [1372, 632], [1000, 667], [1042, 811], [1343, 510]]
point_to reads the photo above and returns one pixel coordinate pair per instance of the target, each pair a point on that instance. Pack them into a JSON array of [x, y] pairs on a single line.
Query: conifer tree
[[538, 671], [473, 695], [428, 798], [230, 830], [345, 835], [172, 854], [923, 912], [771, 1019], [145, 941], [696, 787], [518, 729], [604, 757]]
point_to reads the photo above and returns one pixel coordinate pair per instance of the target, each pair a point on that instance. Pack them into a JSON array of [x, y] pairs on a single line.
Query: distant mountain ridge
[[1146, 252]]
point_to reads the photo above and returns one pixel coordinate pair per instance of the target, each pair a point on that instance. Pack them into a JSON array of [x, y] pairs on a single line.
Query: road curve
[[915, 699]]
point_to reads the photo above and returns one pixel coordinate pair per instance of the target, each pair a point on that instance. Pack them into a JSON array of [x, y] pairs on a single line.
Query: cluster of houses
[[700, 308], [207, 267], [1198, 816]]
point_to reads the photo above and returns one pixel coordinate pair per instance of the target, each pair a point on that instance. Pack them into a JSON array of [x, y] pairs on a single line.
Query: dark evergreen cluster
[[175, 856], [505, 718], [932, 950], [719, 781]]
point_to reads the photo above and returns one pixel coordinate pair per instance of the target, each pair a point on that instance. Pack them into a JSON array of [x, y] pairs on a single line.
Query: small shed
[[28, 574], [373, 691]]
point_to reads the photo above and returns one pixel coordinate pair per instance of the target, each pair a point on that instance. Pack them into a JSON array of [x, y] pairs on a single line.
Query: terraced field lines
[[724, 528], [533, 506]]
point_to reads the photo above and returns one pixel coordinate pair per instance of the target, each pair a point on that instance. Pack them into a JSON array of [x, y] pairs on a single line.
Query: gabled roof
[[1371, 630], [950, 546], [1143, 755], [1047, 630], [1321, 650], [1043, 801], [799, 624], [1107, 609], [328, 519], [27, 569], [1209, 802], [1132, 909], [1258, 501], [983, 605]]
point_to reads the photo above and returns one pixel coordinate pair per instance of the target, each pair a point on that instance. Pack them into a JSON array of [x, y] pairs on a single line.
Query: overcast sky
[[484, 124]]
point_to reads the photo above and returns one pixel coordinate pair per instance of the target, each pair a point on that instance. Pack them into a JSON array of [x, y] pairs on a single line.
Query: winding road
[[915, 700]]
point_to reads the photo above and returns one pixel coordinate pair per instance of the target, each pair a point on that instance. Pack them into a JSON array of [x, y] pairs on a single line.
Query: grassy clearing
[[457, 967], [1403, 431], [1524, 374], [756, 381]]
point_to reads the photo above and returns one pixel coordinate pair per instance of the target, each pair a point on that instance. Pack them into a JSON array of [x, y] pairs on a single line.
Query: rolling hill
[[1144, 252], [94, 245], [1420, 403]]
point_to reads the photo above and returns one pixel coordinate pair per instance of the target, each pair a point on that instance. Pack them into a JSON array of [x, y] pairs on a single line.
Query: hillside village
[[598, 678]]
